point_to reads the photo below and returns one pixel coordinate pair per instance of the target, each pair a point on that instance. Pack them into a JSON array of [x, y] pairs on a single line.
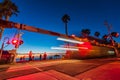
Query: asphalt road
[[68, 67]]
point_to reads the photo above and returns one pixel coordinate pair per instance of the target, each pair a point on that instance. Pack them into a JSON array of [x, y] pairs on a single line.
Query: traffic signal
[[105, 36], [17, 43], [14, 42], [21, 42], [115, 34]]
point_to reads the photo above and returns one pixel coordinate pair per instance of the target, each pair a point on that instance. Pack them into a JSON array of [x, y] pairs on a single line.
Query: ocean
[[36, 57]]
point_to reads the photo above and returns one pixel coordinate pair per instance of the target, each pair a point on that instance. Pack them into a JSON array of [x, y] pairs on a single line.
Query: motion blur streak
[[60, 48], [69, 40]]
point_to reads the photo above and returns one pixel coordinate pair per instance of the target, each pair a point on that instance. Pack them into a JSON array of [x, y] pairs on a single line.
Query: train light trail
[[60, 48], [82, 47], [70, 40]]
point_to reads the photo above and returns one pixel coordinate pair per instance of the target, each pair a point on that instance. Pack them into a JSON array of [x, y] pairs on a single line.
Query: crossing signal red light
[[105, 37], [17, 43], [115, 34], [14, 42], [21, 42]]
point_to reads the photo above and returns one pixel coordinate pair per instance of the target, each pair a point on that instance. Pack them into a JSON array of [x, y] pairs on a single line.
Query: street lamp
[[5, 40]]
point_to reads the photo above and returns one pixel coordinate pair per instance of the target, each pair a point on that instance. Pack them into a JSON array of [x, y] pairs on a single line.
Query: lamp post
[[2, 47]]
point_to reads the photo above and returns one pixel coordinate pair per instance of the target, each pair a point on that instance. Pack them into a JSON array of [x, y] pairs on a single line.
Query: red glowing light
[[86, 47], [14, 42]]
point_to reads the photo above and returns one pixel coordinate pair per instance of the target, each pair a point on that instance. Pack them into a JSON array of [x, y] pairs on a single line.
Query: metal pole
[[2, 47], [1, 50], [15, 53]]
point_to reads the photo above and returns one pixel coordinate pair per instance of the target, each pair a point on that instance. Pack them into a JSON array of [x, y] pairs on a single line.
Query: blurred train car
[[87, 51]]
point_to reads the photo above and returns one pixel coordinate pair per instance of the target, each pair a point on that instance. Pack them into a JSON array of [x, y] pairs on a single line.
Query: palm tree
[[97, 34], [115, 34], [65, 19], [85, 32], [7, 9], [1, 14], [105, 39]]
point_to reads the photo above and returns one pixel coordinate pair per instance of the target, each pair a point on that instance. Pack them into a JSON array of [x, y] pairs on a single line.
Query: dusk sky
[[46, 14]]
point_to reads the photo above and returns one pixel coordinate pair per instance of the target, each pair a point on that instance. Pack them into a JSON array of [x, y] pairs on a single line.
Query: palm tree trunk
[[1, 29], [7, 18], [66, 29], [1, 32]]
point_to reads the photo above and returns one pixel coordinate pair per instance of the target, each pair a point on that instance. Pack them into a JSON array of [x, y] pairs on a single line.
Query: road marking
[[35, 67]]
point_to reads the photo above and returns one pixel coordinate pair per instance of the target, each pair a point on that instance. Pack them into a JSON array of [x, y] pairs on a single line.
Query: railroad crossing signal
[[17, 43]]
